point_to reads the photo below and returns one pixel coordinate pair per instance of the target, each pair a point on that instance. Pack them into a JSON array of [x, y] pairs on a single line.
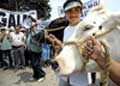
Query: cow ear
[[99, 10], [95, 9]]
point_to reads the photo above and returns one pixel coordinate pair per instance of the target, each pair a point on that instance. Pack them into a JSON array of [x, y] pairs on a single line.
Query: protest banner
[[10, 19]]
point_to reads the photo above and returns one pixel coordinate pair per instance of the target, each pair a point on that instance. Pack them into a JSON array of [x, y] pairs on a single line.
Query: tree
[[42, 6]]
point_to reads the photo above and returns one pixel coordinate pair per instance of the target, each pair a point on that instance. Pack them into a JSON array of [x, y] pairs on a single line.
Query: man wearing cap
[[73, 10]]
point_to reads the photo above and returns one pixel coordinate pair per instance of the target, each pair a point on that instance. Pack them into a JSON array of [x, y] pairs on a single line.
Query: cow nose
[[55, 66], [94, 34], [100, 27]]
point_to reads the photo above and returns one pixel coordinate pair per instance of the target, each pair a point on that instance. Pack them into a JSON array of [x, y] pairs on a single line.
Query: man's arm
[[94, 50], [56, 41], [2, 36], [115, 71]]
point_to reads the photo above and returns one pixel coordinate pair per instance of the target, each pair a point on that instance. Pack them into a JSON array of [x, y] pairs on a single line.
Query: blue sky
[[111, 5]]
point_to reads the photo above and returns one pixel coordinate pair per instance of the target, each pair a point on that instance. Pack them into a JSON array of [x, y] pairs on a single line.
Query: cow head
[[97, 21]]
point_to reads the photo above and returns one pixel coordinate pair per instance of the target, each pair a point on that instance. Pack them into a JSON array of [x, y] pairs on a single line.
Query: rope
[[106, 72], [51, 30], [59, 28], [78, 45], [45, 33]]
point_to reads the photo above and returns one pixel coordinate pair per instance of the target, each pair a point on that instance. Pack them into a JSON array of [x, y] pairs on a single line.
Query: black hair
[[20, 26], [2, 29], [69, 1]]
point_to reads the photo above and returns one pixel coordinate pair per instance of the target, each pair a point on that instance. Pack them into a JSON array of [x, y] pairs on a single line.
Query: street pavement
[[22, 77]]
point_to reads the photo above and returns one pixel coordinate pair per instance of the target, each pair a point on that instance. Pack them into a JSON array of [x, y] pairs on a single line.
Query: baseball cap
[[71, 4]]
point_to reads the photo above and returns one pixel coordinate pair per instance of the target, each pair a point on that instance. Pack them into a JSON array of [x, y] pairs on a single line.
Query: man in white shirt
[[18, 39]]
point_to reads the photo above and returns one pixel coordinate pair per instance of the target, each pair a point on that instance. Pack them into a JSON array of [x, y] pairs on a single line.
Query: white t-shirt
[[69, 30], [17, 39], [76, 79]]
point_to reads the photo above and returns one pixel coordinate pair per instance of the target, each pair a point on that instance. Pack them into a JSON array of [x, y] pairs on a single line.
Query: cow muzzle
[[55, 66]]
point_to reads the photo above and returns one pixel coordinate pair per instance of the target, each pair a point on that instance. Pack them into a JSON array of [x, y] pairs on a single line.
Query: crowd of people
[[12, 48], [17, 50]]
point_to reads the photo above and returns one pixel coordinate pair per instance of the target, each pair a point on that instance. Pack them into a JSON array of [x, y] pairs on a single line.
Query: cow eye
[[88, 27], [100, 27]]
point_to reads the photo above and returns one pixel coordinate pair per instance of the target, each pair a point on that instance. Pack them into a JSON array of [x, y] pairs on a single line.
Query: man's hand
[[52, 38], [55, 41], [93, 49]]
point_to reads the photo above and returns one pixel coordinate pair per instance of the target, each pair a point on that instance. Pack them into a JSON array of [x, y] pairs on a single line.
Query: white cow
[[97, 21]]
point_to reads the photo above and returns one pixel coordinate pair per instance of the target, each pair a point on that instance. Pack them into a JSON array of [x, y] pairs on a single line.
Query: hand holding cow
[[93, 50]]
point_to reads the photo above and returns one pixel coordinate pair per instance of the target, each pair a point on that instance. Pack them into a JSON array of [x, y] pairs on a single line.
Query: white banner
[[10, 19], [89, 5]]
